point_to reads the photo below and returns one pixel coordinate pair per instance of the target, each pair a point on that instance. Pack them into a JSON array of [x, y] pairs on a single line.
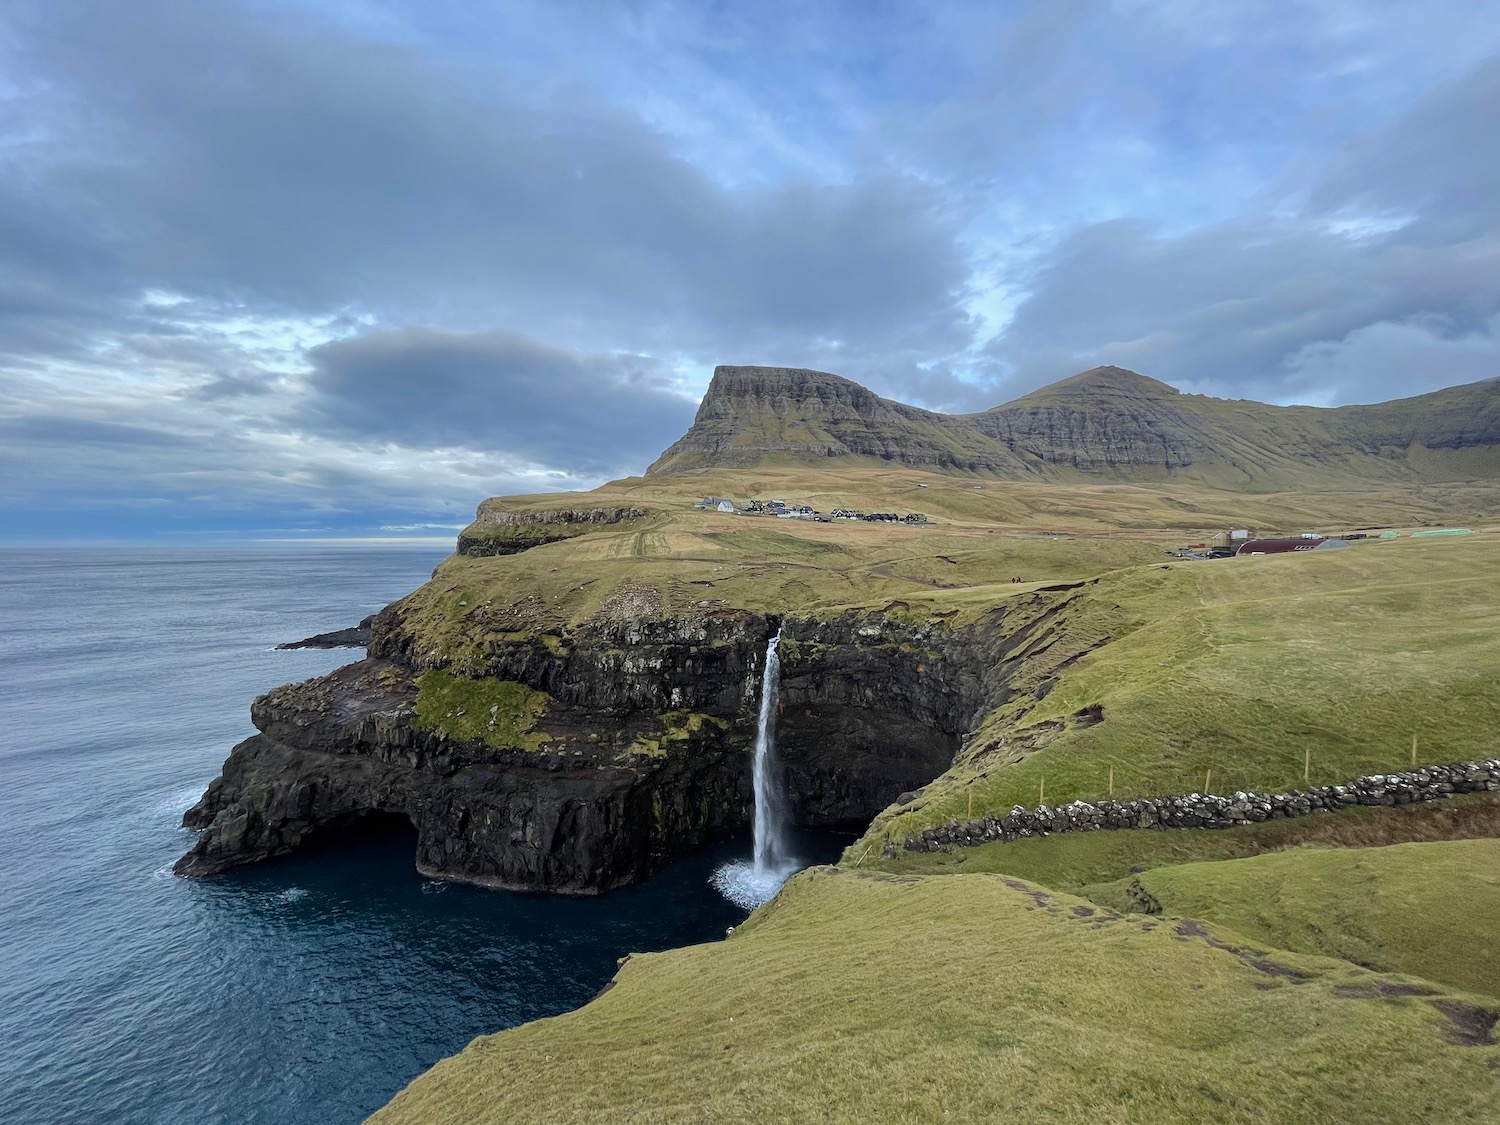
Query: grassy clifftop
[[858, 998], [1242, 675], [675, 560]]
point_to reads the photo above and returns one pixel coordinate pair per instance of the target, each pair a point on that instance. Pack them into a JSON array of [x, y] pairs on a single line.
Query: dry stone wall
[[1198, 810]]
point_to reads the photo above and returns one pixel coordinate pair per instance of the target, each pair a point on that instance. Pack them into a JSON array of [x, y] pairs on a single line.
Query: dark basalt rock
[[336, 748], [356, 636], [871, 708]]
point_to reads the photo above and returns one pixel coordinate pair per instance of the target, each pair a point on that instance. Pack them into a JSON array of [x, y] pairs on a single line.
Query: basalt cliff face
[[585, 759], [1106, 424]]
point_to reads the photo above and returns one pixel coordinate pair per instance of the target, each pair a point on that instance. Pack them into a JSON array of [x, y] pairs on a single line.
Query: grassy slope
[[1247, 668], [679, 561], [1072, 861], [1421, 909], [857, 998]]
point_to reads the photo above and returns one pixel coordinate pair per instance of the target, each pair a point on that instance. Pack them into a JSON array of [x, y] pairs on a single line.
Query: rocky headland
[[580, 760]]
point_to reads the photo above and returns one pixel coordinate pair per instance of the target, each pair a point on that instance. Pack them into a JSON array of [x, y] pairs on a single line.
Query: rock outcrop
[[355, 636], [333, 750], [585, 760], [498, 530]]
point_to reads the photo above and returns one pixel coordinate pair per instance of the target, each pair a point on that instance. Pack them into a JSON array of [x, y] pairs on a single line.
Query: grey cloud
[[1437, 166], [1279, 307], [247, 156], [231, 386], [277, 169], [1391, 359], [57, 430], [421, 386]]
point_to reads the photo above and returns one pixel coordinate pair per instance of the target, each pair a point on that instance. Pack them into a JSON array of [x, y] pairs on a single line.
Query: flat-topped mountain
[[1104, 424]]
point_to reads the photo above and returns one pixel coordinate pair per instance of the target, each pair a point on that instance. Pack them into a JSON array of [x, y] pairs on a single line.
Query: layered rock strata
[[1103, 424], [585, 759], [497, 530]]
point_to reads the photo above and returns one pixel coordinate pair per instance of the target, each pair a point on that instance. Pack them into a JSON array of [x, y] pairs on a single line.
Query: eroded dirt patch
[[1469, 1025], [1380, 990], [1257, 959]]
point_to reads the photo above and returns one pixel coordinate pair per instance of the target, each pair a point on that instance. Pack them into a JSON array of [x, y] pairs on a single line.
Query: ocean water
[[307, 990]]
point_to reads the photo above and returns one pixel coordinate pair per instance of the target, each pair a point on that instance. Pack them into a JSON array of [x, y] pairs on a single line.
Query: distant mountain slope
[[1103, 424], [752, 413]]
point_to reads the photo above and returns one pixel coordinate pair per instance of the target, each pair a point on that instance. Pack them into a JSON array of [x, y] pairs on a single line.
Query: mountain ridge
[[1105, 424]]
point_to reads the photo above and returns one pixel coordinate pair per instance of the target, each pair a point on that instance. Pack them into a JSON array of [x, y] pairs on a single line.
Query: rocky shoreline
[[356, 636]]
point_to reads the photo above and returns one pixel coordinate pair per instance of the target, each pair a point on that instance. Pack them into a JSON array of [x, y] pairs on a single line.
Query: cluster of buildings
[[880, 517], [1244, 541], [782, 510]]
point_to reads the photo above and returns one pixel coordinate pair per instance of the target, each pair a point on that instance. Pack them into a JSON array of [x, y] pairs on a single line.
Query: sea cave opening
[[364, 832]]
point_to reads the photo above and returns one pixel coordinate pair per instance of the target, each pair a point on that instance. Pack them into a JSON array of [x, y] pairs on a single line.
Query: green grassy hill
[[859, 998], [1421, 909], [1241, 675]]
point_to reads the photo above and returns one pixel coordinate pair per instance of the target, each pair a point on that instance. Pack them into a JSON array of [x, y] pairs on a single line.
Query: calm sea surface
[[308, 990]]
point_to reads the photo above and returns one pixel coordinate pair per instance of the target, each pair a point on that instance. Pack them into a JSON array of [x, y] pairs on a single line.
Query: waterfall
[[770, 816], [750, 884]]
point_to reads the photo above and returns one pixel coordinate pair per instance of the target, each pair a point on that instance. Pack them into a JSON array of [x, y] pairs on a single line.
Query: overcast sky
[[286, 268]]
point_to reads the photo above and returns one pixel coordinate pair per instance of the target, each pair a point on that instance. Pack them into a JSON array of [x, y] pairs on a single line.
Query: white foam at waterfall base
[[750, 884], [747, 885]]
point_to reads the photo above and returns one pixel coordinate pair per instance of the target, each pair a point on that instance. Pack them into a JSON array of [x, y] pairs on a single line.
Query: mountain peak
[[733, 382], [1106, 380], [752, 413], [1107, 423]]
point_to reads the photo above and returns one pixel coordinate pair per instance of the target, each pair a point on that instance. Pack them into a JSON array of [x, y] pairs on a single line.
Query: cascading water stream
[[750, 884], [770, 846]]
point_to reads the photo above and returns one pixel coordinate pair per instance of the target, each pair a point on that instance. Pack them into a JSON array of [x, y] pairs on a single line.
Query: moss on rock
[[499, 713]]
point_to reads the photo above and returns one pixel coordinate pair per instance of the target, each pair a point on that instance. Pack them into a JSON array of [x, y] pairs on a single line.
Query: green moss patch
[[499, 713], [676, 727]]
